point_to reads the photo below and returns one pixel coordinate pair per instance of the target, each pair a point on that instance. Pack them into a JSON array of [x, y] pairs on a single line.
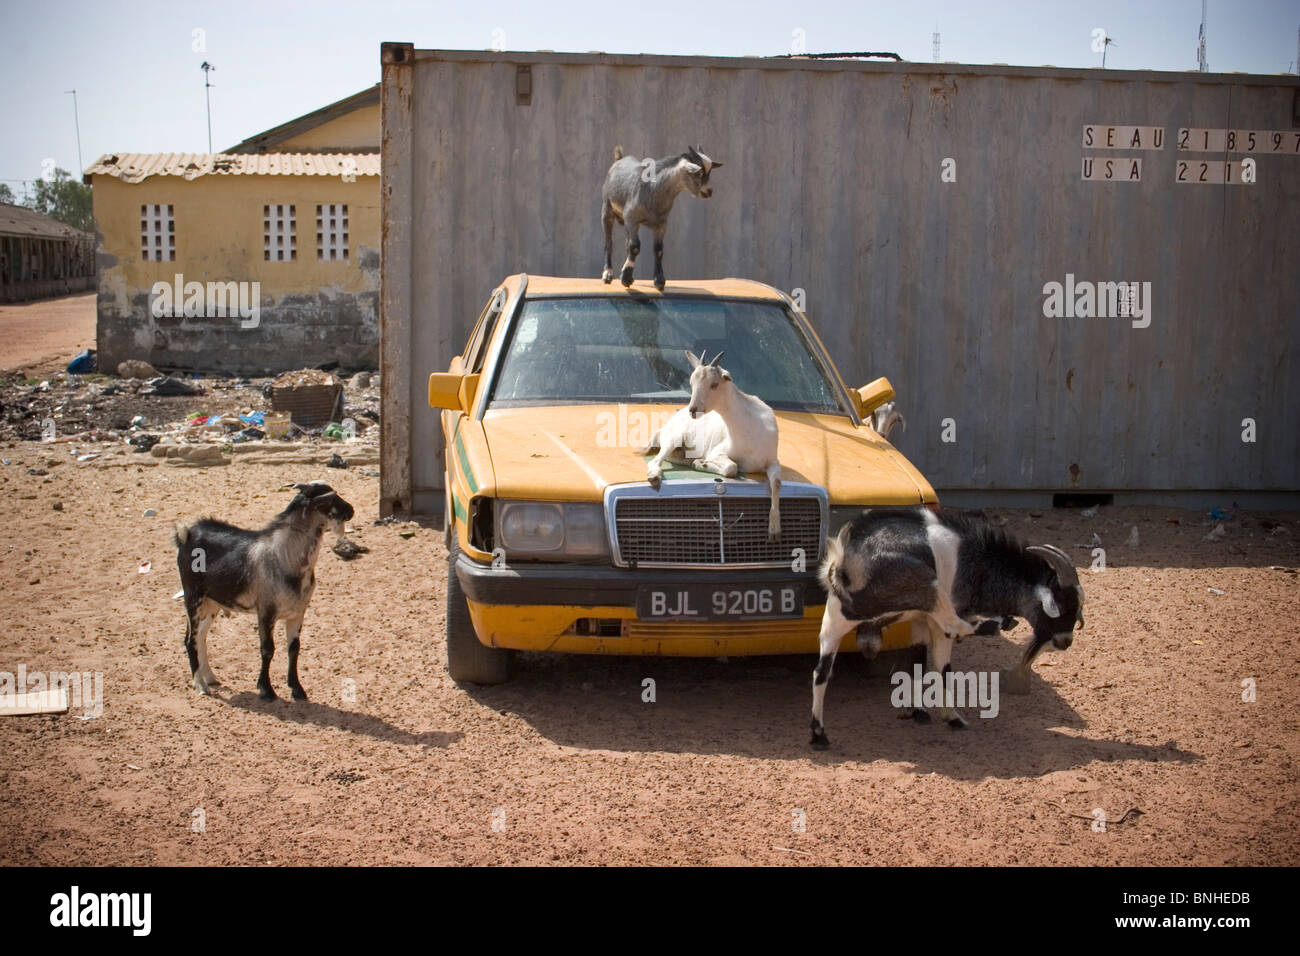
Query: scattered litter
[[143, 442], [149, 512], [1216, 534], [406, 534], [178, 595], [1198, 642], [38, 472], [336, 461], [88, 456], [170, 385], [1172, 521], [1132, 541], [347, 549], [1096, 540], [57, 505], [1218, 514], [786, 849], [253, 418], [335, 431], [144, 568], [51, 701], [1090, 512], [197, 420], [132, 766], [83, 364], [137, 422], [1216, 591]]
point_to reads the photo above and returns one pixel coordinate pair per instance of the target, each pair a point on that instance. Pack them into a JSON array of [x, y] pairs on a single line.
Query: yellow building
[[261, 258]]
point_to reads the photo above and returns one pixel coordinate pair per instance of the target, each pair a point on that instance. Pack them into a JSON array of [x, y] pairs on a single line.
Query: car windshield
[[629, 349]]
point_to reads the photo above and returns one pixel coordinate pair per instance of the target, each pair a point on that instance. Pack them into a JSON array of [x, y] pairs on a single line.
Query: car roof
[[539, 286]]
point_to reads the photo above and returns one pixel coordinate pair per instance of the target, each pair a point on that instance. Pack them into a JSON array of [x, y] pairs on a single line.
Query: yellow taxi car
[[555, 539]]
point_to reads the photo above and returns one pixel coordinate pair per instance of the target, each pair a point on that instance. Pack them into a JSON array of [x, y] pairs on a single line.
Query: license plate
[[713, 602]]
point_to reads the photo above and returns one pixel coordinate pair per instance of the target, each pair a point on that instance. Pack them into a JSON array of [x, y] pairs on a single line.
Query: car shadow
[[760, 707], [323, 715]]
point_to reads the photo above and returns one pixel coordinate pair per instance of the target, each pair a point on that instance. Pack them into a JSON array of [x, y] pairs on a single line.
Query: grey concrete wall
[[833, 185]]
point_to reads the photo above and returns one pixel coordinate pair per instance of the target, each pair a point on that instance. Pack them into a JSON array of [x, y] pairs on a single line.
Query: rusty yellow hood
[[572, 452]]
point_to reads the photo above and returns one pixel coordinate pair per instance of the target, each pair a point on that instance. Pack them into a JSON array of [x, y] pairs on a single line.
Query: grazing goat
[[954, 575], [722, 430], [886, 418], [640, 192], [271, 572]]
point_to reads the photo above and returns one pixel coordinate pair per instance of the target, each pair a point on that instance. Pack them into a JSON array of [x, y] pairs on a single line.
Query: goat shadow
[[323, 715], [760, 707]]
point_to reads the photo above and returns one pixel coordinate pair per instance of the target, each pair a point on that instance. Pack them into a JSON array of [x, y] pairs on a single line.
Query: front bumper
[[539, 607]]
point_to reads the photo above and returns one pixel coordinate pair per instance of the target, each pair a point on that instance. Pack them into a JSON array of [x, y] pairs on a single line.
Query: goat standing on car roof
[[722, 430], [948, 572], [271, 572], [640, 192]]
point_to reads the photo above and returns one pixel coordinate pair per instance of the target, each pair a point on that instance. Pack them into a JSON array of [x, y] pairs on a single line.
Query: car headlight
[[544, 529]]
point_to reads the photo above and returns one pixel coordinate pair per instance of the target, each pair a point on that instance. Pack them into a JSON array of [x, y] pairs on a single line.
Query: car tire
[[468, 660]]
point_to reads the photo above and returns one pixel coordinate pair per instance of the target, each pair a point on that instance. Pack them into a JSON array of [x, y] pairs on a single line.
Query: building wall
[[833, 184], [356, 131], [33, 267], [311, 311]]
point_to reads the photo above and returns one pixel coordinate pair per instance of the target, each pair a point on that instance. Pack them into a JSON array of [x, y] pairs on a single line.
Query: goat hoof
[[820, 741], [655, 482], [920, 716], [298, 693], [202, 687], [957, 722], [266, 693], [660, 283], [626, 278], [607, 276]]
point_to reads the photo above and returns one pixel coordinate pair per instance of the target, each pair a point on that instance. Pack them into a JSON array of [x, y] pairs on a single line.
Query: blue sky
[[140, 88]]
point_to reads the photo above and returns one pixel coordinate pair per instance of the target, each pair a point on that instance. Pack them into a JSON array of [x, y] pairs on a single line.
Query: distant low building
[[259, 259], [41, 257]]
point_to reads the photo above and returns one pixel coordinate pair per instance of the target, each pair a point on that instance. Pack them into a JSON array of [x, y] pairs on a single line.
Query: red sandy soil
[[41, 337], [566, 764]]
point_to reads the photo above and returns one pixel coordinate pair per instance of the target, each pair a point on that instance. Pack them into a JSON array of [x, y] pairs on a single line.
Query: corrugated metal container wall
[[833, 184]]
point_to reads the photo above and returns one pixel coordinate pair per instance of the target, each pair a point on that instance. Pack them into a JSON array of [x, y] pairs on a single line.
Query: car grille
[[716, 530]]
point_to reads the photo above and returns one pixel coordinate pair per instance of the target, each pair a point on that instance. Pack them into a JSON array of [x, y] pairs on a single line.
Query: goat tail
[[182, 534], [828, 573], [618, 153]]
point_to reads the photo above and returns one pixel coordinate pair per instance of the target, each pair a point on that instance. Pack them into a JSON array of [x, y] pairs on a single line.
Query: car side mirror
[[451, 391], [872, 396]]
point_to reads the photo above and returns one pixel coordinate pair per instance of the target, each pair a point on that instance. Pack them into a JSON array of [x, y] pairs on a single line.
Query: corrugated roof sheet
[[21, 221], [137, 167]]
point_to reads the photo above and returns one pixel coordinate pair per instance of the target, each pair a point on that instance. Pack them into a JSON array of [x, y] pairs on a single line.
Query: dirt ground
[[567, 764], [390, 762], [42, 336]]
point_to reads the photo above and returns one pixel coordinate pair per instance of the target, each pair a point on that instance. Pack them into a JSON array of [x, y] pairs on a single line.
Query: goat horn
[[717, 358], [1059, 560]]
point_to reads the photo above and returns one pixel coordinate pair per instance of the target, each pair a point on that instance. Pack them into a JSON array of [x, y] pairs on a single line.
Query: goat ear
[[726, 376], [695, 362], [322, 502], [716, 164], [691, 167], [1048, 602]]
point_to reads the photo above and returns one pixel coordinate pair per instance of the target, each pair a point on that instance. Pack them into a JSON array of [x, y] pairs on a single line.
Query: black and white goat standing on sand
[[722, 430], [271, 572], [953, 575], [640, 192]]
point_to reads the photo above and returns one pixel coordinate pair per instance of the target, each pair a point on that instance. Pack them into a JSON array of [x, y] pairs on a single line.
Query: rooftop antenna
[[1104, 49], [77, 120], [1202, 63], [207, 69], [934, 44]]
